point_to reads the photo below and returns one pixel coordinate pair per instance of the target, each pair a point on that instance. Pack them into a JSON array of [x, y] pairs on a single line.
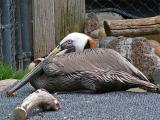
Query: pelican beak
[[34, 72], [57, 51]]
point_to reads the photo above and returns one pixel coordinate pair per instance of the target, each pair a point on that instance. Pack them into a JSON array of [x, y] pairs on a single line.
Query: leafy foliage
[[6, 72]]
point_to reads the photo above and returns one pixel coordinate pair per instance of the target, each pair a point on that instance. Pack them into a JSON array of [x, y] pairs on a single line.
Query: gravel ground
[[80, 106]]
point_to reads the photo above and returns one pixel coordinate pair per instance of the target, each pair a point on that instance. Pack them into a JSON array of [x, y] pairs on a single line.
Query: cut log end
[[20, 113]]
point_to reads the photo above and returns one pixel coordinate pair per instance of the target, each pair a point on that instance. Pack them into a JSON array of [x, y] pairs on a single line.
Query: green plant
[[6, 72]]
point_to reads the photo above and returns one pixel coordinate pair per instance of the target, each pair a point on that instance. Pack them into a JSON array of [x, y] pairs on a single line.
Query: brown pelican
[[96, 70]]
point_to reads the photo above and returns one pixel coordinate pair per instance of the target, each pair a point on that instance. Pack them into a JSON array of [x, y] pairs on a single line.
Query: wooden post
[[54, 19], [133, 27], [43, 27], [69, 17]]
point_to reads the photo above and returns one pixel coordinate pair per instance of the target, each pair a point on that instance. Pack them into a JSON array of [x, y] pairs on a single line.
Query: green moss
[[6, 72]]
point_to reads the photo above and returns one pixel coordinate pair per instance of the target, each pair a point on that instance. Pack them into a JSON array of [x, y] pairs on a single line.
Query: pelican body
[[95, 70], [90, 70]]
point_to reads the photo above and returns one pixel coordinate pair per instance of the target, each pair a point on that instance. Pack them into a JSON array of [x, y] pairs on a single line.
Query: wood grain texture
[[133, 27], [69, 17], [43, 27]]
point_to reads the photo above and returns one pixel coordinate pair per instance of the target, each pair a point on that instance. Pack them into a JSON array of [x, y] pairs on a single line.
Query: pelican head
[[74, 42]]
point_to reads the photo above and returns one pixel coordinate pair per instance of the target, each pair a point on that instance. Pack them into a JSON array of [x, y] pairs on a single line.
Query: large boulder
[[94, 23], [143, 53]]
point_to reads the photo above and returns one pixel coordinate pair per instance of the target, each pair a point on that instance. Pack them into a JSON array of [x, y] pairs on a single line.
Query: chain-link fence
[[14, 33], [1, 55], [126, 8], [7, 31]]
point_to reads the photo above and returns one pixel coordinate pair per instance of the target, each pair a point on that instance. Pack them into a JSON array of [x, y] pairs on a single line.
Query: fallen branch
[[132, 27], [40, 98]]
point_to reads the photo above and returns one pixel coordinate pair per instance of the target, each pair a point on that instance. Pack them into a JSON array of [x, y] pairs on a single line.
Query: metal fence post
[[25, 30]]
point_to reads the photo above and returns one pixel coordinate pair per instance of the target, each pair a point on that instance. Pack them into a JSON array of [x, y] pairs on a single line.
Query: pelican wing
[[90, 60], [102, 81]]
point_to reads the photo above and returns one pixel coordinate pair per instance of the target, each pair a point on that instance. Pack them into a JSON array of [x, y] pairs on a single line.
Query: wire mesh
[[8, 31], [1, 54], [14, 32], [126, 8], [12, 29]]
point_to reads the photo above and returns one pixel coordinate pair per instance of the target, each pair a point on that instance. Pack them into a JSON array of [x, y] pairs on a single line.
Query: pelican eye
[[69, 41], [68, 45]]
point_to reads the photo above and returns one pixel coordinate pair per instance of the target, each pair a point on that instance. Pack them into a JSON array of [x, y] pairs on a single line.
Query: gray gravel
[[80, 106]]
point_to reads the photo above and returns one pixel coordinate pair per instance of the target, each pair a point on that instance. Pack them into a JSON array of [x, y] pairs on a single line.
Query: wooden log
[[39, 98], [132, 27]]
